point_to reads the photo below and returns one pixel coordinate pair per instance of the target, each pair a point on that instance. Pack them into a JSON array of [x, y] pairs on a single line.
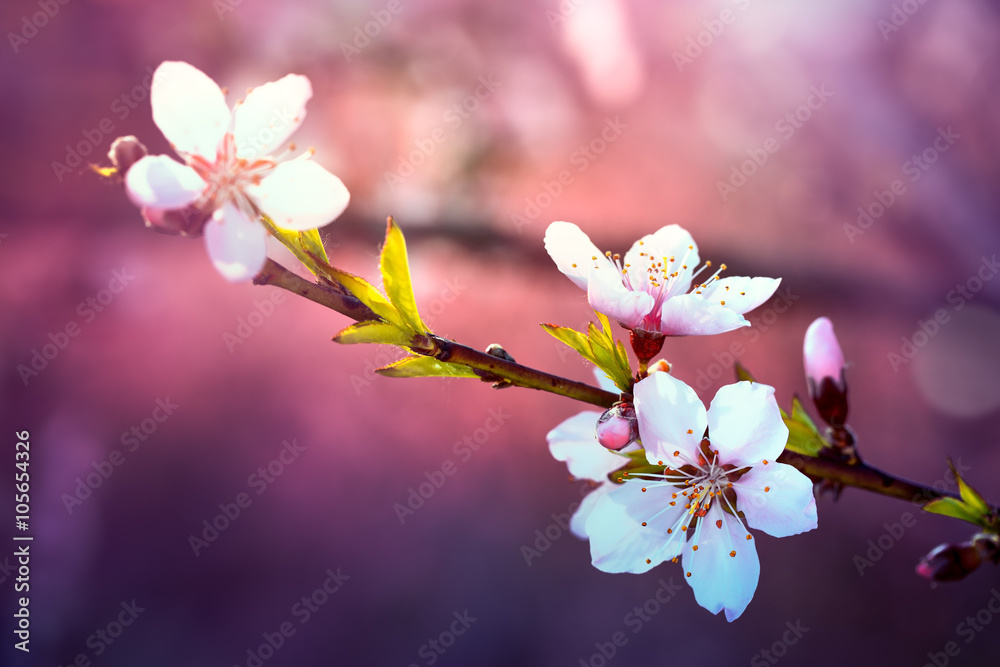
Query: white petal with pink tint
[[189, 108], [679, 429], [575, 442], [300, 195], [269, 115], [608, 295], [619, 542], [694, 315], [725, 569], [745, 425], [574, 253], [578, 524], [236, 244], [740, 294], [787, 507], [158, 181]]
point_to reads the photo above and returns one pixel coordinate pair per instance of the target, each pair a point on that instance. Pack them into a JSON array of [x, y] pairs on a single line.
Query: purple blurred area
[[848, 148]]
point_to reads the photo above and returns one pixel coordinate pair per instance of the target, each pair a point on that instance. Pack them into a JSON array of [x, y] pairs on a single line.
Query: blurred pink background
[[618, 115]]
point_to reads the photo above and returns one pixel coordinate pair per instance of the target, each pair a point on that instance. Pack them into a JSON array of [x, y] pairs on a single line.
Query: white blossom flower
[[714, 484], [654, 289], [230, 173]]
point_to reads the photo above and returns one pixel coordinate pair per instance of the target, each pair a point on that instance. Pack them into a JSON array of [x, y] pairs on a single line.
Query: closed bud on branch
[[824, 362], [618, 427], [126, 151], [951, 562]]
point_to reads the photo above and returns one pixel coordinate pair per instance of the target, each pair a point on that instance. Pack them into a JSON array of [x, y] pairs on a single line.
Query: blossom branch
[[331, 297], [863, 476], [859, 474], [522, 376], [493, 368]]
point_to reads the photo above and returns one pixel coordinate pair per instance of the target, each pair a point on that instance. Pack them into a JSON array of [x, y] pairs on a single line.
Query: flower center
[[693, 488], [662, 278], [229, 176]]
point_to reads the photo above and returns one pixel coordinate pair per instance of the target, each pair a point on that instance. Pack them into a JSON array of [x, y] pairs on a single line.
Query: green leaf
[[395, 268], [304, 245], [957, 509], [802, 440], [600, 348], [312, 242], [373, 332], [368, 295], [803, 437], [574, 339], [799, 414], [412, 367], [970, 495]]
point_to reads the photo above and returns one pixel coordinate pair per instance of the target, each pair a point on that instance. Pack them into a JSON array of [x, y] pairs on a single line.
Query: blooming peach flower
[[229, 173], [654, 289], [719, 479]]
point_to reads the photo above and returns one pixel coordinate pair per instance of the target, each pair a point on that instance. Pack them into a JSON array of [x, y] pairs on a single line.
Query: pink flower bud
[[618, 427], [823, 357], [126, 151], [951, 562], [824, 362]]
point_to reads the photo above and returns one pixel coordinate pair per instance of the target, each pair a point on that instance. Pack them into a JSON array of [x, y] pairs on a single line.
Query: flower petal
[[669, 241], [608, 295], [158, 181], [693, 315], [300, 195], [788, 507], [269, 115], [719, 580], [618, 540], [578, 524], [745, 425], [189, 108], [740, 294], [671, 419], [573, 252], [575, 442], [236, 244]]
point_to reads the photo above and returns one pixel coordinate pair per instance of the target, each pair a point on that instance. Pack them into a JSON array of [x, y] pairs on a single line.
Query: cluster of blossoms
[[231, 174], [712, 474], [673, 480]]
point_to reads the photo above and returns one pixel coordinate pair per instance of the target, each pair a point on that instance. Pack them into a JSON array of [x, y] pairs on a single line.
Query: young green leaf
[[599, 348], [382, 333], [306, 246], [958, 510], [368, 295], [395, 268], [412, 367], [969, 495], [803, 437], [571, 337], [311, 241]]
